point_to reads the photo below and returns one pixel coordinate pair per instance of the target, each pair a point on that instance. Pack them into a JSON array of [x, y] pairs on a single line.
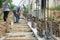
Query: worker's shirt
[[7, 7]]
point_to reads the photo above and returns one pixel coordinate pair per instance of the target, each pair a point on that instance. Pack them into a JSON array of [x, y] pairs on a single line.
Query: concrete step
[[21, 38], [18, 25], [20, 30], [22, 27], [22, 20], [20, 34]]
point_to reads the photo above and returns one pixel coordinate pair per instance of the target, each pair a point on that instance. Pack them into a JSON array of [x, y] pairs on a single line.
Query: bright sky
[[50, 3], [16, 2]]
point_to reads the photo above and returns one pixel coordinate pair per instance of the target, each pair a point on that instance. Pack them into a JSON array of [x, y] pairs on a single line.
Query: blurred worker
[[16, 12], [6, 11]]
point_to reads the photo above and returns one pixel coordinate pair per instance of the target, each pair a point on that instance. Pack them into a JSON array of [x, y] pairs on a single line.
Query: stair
[[20, 31], [20, 38]]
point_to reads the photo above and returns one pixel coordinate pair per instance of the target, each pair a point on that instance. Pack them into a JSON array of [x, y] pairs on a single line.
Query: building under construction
[[39, 20]]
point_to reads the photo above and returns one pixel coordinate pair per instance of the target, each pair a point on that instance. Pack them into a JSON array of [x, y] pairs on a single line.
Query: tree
[[26, 10], [12, 6], [6, 3], [1, 1]]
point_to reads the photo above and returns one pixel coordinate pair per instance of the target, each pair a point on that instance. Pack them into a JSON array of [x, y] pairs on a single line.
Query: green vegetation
[[51, 18], [10, 1], [58, 8], [55, 8], [12, 6], [1, 16], [26, 10], [1, 1]]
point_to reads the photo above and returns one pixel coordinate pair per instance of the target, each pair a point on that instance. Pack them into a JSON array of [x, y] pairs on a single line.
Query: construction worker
[[16, 12], [6, 11]]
